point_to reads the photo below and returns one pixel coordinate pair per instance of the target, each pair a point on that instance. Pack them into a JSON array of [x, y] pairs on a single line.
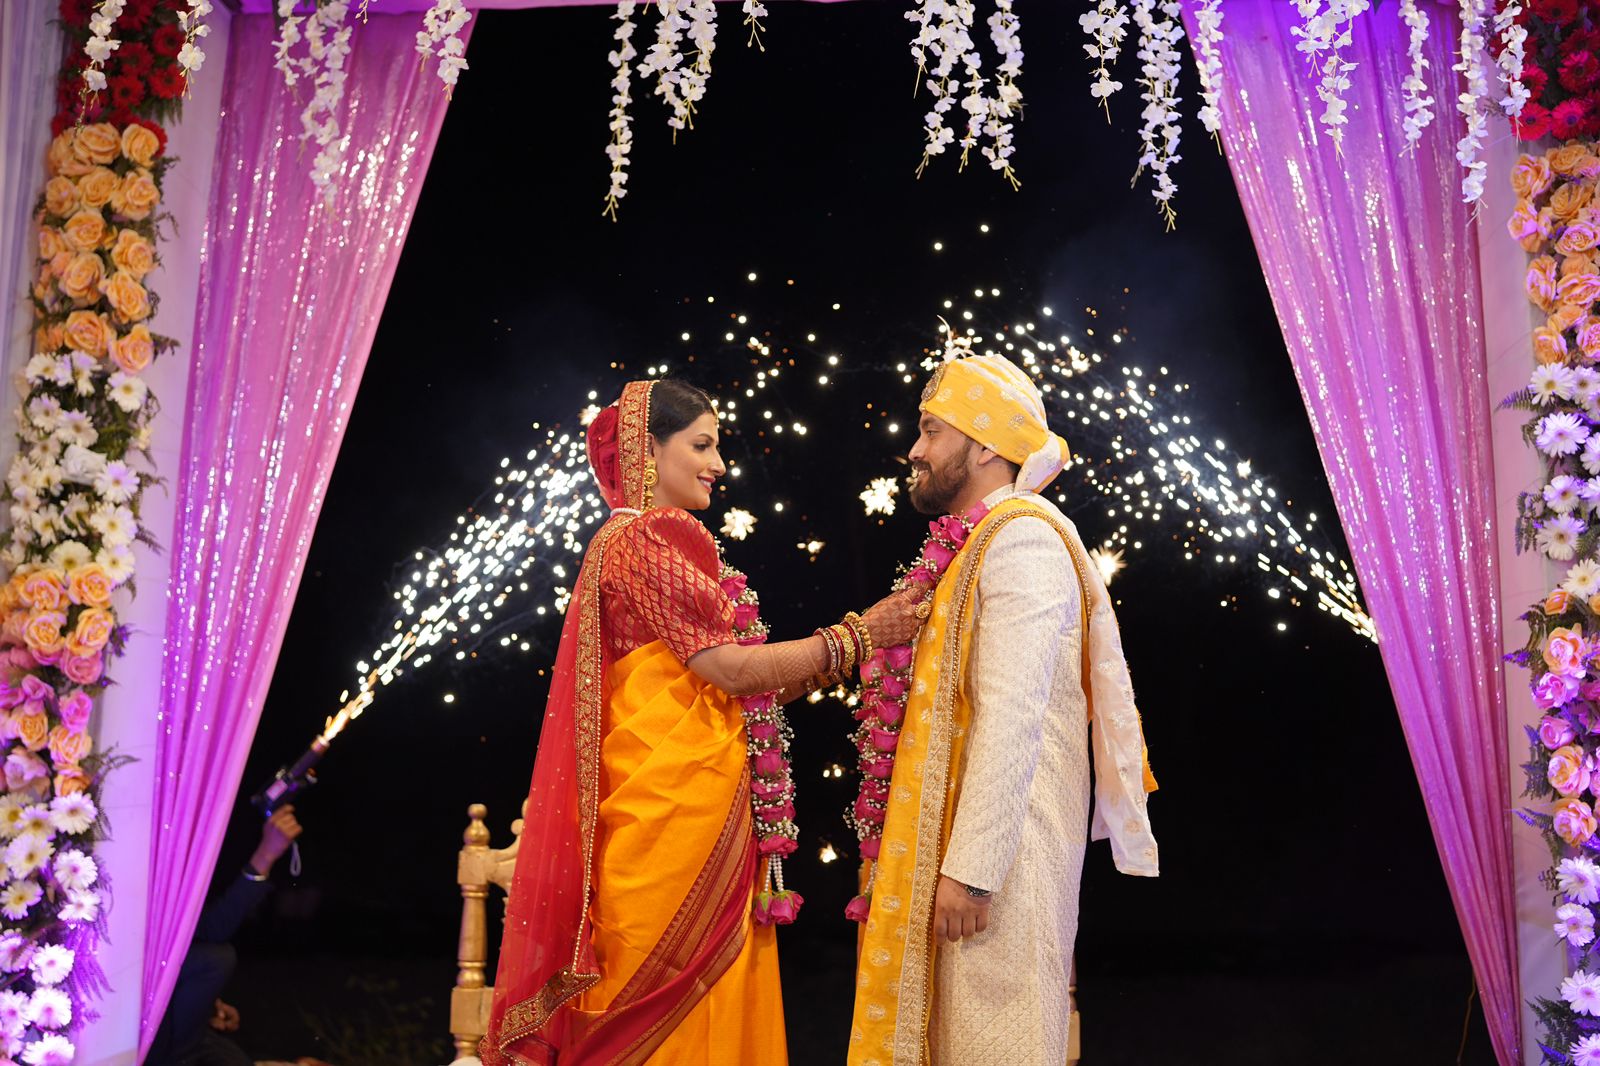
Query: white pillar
[[1508, 321], [127, 712]]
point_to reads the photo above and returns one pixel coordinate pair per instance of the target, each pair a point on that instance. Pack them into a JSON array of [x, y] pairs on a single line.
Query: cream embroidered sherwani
[[1021, 823]]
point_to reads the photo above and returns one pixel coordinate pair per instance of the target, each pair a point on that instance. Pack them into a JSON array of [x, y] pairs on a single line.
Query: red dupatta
[[546, 957]]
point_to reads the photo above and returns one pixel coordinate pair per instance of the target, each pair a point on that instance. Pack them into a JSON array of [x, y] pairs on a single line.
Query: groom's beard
[[935, 490]]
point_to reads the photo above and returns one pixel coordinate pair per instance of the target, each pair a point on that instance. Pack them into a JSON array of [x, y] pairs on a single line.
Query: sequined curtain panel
[[1372, 263], [291, 295]]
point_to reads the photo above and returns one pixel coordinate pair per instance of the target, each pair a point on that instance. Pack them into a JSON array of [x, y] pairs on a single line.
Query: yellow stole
[[894, 973]]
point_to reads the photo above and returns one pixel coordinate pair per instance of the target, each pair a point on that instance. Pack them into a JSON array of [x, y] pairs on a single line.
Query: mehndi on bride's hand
[[893, 619]]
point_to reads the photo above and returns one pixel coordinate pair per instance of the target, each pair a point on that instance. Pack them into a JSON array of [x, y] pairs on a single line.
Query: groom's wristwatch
[[976, 893]]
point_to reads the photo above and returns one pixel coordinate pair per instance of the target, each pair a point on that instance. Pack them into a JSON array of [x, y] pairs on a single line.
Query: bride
[[639, 924]]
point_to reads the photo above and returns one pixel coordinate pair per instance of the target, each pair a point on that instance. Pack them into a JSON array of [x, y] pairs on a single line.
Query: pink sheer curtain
[[291, 294], [1373, 268]]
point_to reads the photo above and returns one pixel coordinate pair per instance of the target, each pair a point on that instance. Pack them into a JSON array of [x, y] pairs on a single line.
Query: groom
[[974, 905]]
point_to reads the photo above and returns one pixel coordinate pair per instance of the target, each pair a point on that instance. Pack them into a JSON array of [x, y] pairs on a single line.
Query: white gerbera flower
[[51, 1049], [74, 427], [1562, 433], [69, 555], [80, 907], [1551, 383], [73, 813], [45, 413], [36, 821], [12, 805], [117, 561], [116, 482], [1586, 386], [1558, 536], [127, 391], [26, 854], [41, 367], [16, 952], [50, 1008], [13, 1011], [1582, 993], [1583, 579], [1575, 923], [1579, 880], [76, 871], [1586, 1052], [52, 964], [18, 898], [116, 525], [1562, 493]]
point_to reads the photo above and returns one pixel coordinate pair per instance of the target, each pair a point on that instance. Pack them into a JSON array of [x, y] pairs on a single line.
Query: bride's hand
[[893, 619]]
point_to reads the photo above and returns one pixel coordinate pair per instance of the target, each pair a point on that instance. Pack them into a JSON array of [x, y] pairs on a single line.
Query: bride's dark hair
[[674, 404]]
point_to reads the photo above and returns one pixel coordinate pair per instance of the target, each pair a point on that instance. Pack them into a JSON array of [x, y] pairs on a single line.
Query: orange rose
[[80, 281], [44, 590], [1571, 160], [1530, 177], [89, 586], [61, 196], [1558, 602], [43, 631], [1578, 263], [68, 749], [98, 187], [134, 350], [62, 160], [1549, 347], [1541, 282], [1578, 237], [137, 196], [94, 629], [89, 332], [71, 780], [1524, 221], [133, 254], [127, 297], [51, 243], [84, 231], [1573, 821], [1566, 316], [1581, 289], [1569, 199], [98, 143], [33, 728], [140, 145]]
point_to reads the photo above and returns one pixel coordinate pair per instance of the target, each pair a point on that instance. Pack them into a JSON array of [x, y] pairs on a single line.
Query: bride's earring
[[649, 484]]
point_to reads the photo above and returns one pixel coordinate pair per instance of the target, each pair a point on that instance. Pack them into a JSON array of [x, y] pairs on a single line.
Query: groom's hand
[[956, 914]]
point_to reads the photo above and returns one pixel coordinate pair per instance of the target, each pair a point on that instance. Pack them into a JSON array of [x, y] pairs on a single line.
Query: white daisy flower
[[13, 1011], [76, 871], [1583, 579], [1551, 383], [50, 1008], [52, 964], [45, 413], [18, 898], [1575, 923], [52, 1049], [1585, 1052], [127, 391], [117, 561], [1562, 493], [75, 512], [35, 821], [116, 525], [27, 853], [73, 813], [16, 952], [80, 907], [1586, 386], [74, 427], [1562, 433], [1558, 536], [12, 805], [1582, 993], [117, 482], [1579, 880], [69, 555], [40, 368]]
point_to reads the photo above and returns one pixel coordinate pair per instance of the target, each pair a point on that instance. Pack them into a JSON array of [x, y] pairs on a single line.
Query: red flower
[[168, 41], [61, 123], [120, 117], [75, 13], [1533, 123], [1576, 40], [166, 82], [126, 91], [1579, 72], [1557, 12], [1567, 118], [1591, 122], [153, 127], [134, 57], [1535, 78], [135, 16]]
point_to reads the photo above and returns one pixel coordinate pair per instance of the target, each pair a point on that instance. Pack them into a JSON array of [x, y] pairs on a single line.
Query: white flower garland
[[665, 62], [1005, 30], [1159, 78], [948, 39], [621, 58], [1208, 58], [1328, 31], [100, 44], [945, 34], [1513, 37], [190, 57], [1414, 90], [754, 12], [328, 40], [440, 36], [289, 36], [1470, 65], [1107, 24], [702, 17]]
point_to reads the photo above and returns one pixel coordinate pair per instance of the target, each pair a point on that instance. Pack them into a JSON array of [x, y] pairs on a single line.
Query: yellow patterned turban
[[990, 400]]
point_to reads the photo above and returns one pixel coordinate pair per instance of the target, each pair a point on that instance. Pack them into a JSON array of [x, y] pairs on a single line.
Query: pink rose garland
[[885, 684]]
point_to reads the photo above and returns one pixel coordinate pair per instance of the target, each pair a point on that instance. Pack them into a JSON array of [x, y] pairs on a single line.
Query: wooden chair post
[[472, 950]]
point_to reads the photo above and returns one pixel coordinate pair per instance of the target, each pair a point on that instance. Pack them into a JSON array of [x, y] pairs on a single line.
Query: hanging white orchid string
[[328, 39], [948, 40], [1005, 30], [192, 22], [1414, 90], [1513, 37], [945, 34], [664, 61], [1159, 78], [1208, 58], [441, 36], [1323, 37], [1107, 24], [100, 46], [289, 35], [621, 58], [1471, 66], [754, 12], [702, 19]]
